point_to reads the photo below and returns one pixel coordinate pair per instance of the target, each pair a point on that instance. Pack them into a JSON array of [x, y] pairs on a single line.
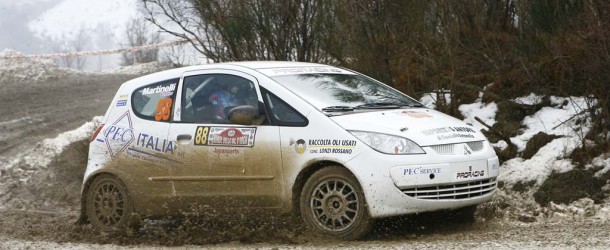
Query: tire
[[332, 205], [109, 206]]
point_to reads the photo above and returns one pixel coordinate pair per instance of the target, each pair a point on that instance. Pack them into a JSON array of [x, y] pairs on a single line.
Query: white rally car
[[329, 144]]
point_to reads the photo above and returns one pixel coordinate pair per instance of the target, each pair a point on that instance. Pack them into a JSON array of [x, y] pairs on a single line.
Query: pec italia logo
[[119, 135], [299, 145]]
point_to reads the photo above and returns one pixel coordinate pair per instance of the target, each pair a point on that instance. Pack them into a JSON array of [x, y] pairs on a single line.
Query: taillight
[[97, 131]]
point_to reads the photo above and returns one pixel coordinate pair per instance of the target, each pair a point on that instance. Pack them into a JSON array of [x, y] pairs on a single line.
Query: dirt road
[[34, 111], [44, 230]]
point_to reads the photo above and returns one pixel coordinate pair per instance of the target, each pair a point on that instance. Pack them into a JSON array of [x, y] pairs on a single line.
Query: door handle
[[184, 137]]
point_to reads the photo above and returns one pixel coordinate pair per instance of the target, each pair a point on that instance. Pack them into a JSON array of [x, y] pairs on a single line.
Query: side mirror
[[245, 115]]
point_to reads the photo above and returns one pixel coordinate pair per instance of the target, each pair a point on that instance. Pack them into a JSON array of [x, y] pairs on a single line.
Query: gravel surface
[[38, 110], [37, 229]]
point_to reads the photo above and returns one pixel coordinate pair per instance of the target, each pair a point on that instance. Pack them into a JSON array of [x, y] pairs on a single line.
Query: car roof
[[253, 65], [273, 64]]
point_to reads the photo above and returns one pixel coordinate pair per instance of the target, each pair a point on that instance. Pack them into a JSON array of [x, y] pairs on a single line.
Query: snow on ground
[[485, 111], [566, 118], [20, 69], [47, 150], [561, 119], [551, 157], [140, 69], [16, 68], [429, 99]]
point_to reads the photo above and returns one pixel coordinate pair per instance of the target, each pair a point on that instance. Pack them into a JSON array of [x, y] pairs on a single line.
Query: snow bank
[[47, 150], [140, 69], [429, 99], [565, 117], [485, 111], [548, 159], [15, 67]]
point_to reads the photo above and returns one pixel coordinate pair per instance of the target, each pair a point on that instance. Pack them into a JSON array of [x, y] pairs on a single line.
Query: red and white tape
[[96, 52]]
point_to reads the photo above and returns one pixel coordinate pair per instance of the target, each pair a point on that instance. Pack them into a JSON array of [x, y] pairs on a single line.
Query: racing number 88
[[201, 136], [164, 106]]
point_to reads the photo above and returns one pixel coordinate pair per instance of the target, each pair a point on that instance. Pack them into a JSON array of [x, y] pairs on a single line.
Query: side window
[[281, 113], [208, 98], [155, 101]]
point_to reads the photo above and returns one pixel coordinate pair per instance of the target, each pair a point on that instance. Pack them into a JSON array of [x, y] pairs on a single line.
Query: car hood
[[423, 126]]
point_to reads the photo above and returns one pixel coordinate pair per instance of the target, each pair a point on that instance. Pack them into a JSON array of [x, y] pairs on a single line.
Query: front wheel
[[109, 207], [332, 204]]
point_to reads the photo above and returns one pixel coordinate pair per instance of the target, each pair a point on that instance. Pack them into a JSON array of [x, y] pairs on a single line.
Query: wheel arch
[[304, 175], [83, 195]]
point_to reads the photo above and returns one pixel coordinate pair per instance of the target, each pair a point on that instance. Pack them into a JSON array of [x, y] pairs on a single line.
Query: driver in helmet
[[221, 99]]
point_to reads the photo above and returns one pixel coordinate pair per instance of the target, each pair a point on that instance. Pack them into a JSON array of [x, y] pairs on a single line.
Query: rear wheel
[[109, 206], [332, 204]]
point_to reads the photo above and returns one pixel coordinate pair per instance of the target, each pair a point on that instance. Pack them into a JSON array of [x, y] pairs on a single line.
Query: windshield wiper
[[387, 105], [337, 108], [378, 105]]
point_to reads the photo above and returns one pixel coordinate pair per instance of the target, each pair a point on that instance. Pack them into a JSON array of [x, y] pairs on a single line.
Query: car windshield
[[344, 92]]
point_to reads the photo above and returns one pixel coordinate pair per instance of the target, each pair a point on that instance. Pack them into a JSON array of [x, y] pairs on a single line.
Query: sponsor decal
[[325, 146], [415, 114], [227, 151], [153, 149], [119, 135], [445, 133], [164, 107], [122, 101], [143, 155], [154, 143], [470, 174], [225, 136], [420, 170], [162, 90], [307, 70], [299, 145]]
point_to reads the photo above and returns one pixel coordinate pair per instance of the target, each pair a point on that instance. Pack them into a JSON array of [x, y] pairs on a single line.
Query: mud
[[39, 207], [32, 111]]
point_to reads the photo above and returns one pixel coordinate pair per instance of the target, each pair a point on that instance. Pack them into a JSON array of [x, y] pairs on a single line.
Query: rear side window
[[155, 101]]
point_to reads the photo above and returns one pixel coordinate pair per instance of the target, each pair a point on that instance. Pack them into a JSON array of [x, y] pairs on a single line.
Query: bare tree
[[247, 30], [138, 33], [78, 45], [71, 46]]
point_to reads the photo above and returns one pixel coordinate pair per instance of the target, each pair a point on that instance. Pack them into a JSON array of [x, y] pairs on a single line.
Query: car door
[[224, 164], [139, 137]]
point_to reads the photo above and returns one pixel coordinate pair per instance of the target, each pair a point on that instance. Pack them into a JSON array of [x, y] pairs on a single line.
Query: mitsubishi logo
[[467, 150]]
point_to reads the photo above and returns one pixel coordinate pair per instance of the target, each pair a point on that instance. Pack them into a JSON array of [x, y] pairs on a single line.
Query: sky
[[50, 26]]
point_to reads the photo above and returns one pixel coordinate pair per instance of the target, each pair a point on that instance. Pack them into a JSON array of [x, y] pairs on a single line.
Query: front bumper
[[407, 184]]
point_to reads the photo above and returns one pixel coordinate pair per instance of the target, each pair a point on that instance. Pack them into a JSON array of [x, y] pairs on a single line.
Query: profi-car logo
[[119, 135]]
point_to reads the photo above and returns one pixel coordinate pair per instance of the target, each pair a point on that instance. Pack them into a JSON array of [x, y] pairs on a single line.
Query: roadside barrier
[[95, 52]]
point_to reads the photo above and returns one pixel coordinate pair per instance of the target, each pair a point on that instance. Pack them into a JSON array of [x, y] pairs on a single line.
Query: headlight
[[388, 144]]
